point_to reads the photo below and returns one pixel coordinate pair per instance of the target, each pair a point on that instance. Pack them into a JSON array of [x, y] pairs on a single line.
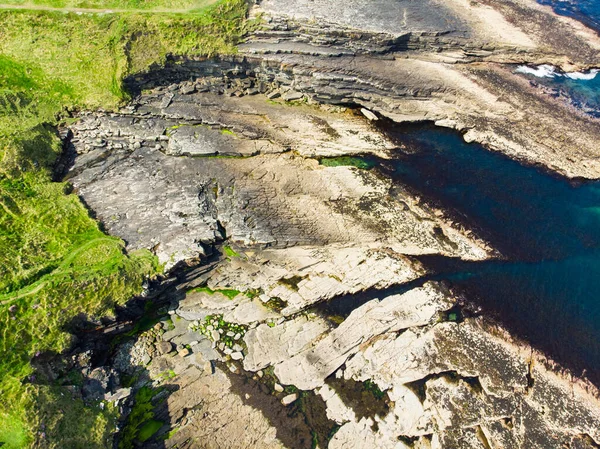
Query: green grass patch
[[55, 262], [140, 424], [149, 429], [227, 132], [352, 161], [230, 252], [168, 375], [170, 434], [229, 292], [141, 5]]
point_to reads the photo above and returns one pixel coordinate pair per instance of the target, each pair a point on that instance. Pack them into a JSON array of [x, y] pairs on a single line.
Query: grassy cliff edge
[[55, 262]]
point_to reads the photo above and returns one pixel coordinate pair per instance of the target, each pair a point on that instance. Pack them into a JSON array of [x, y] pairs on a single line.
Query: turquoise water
[[584, 94], [548, 288]]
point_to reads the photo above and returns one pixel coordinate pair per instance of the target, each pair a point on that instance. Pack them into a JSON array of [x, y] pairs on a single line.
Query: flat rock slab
[[414, 308], [385, 16]]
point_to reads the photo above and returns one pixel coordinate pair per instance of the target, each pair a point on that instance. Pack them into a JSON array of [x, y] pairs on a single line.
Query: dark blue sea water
[[548, 288], [586, 11]]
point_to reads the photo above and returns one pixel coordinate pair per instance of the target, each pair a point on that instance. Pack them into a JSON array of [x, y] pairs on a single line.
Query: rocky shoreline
[[244, 166]]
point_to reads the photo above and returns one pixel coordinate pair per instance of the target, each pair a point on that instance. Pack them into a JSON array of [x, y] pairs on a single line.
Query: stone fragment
[[237, 356], [287, 400], [187, 89], [368, 114], [184, 352], [118, 395], [204, 347], [292, 95], [278, 388], [164, 347], [166, 101], [209, 367]]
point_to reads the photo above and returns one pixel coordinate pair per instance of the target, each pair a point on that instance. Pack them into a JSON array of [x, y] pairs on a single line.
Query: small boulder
[[287, 400], [164, 347], [292, 95], [274, 94], [368, 114], [188, 89]]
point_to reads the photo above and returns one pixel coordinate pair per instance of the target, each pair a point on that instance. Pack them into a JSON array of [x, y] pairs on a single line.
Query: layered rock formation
[[316, 324]]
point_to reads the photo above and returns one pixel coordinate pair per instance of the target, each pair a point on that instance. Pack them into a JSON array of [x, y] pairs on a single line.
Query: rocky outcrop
[[315, 324], [178, 203]]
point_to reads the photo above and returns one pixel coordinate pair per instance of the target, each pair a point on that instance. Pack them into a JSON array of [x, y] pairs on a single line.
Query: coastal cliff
[[299, 310]]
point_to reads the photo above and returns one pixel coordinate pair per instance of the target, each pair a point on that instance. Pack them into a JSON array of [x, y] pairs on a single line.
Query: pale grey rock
[[180, 327], [336, 409], [205, 348], [272, 345], [444, 347], [184, 352], [237, 356], [119, 395], [415, 308], [368, 114], [287, 400], [292, 95]]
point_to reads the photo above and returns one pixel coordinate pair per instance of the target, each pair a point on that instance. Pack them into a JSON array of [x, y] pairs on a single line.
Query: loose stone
[[287, 400]]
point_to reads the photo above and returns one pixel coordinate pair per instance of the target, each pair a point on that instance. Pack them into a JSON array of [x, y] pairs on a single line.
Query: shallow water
[[583, 92], [548, 289]]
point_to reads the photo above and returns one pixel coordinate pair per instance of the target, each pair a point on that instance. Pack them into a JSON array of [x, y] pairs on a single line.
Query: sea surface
[[582, 90], [586, 11], [547, 288]]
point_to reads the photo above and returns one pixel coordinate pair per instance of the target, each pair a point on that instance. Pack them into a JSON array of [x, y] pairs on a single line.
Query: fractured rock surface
[[318, 326], [163, 199]]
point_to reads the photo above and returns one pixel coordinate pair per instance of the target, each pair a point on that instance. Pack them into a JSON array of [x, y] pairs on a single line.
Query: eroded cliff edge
[[318, 325]]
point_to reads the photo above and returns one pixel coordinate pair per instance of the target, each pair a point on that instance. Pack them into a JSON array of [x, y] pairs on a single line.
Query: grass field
[[55, 262], [118, 5]]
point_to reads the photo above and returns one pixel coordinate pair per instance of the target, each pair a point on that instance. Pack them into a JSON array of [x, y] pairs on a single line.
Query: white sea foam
[[541, 71], [583, 76], [548, 71]]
